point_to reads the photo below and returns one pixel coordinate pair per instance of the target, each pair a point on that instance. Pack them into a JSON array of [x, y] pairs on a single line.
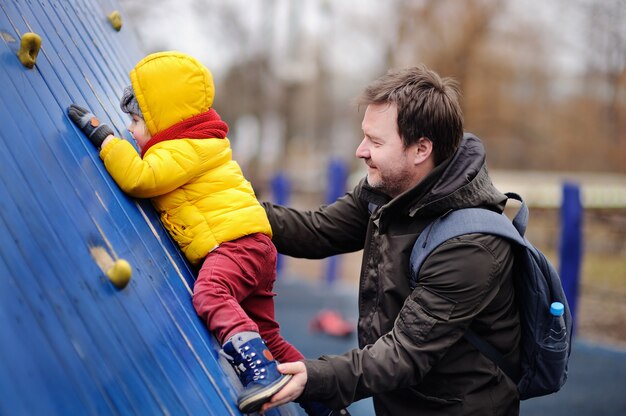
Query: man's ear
[[423, 150]]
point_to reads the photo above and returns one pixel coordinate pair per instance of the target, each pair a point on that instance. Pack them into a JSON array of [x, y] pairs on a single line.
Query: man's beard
[[393, 185]]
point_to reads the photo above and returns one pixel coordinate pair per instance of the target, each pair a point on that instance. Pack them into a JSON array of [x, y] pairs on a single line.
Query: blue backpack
[[537, 285]]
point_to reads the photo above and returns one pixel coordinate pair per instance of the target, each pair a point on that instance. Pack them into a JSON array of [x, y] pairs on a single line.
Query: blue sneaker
[[256, 368]]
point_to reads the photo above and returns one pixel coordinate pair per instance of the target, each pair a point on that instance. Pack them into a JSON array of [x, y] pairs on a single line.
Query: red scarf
[[207, 125]]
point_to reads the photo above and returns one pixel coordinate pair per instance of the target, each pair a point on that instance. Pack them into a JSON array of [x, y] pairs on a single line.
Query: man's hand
[[89, 124], [293, 389]]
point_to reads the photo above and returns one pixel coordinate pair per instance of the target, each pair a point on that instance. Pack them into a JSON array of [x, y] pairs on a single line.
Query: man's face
[[390, 166]]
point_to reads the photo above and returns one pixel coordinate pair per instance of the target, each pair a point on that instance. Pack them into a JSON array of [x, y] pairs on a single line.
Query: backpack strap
[[520, 221], [469, 221], [461, 222], [493, 354]]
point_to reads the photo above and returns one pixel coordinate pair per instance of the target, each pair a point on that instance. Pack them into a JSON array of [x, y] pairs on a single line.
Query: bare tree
[[531, 113]]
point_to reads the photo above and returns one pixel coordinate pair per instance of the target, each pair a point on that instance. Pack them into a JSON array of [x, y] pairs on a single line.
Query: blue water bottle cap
[[557, 309]]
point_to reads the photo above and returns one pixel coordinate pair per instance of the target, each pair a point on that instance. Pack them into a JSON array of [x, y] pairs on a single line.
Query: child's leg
[[282, 350], [229, 276], [220, 287], [233, 293], [259, 306]]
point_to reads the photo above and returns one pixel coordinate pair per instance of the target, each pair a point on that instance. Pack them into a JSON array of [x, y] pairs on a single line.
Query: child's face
[[139, 130]]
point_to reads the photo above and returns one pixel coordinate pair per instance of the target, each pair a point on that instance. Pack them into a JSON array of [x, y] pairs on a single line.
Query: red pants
[[233, 293]]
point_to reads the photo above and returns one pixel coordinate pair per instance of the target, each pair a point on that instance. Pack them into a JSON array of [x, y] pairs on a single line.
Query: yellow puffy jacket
[[199, 191]]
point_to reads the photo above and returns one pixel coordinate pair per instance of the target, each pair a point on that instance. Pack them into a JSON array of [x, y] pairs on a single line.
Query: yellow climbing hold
[[116, 20], [120, 273], [29, 48]]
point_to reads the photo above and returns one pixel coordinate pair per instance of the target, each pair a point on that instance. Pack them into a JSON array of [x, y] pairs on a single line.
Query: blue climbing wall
[[70, 341]]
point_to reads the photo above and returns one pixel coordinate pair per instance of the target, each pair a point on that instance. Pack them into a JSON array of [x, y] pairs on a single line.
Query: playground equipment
[[95, 299]]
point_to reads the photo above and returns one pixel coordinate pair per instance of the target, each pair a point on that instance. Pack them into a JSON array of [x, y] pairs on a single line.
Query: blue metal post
[[337, 178], [571, 243], [281, 191]]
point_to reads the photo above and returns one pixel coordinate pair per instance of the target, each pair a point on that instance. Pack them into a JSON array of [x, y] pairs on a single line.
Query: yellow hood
[[171, 87]]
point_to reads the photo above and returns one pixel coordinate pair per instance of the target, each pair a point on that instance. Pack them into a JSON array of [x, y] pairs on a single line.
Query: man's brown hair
[[428, 106]]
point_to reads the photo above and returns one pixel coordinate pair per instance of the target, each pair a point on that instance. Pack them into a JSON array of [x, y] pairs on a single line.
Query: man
[[412, 356]]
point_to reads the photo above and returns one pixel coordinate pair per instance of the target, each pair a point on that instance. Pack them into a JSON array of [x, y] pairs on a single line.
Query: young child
[[207, 206]]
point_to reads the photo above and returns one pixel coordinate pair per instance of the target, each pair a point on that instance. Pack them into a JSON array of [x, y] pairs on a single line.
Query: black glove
[[89, 124]]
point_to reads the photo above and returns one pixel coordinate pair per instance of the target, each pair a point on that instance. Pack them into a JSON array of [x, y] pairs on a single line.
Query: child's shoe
[[257, 371]]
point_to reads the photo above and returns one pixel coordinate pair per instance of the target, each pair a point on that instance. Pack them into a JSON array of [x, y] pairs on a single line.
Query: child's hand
[[89, 124]]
